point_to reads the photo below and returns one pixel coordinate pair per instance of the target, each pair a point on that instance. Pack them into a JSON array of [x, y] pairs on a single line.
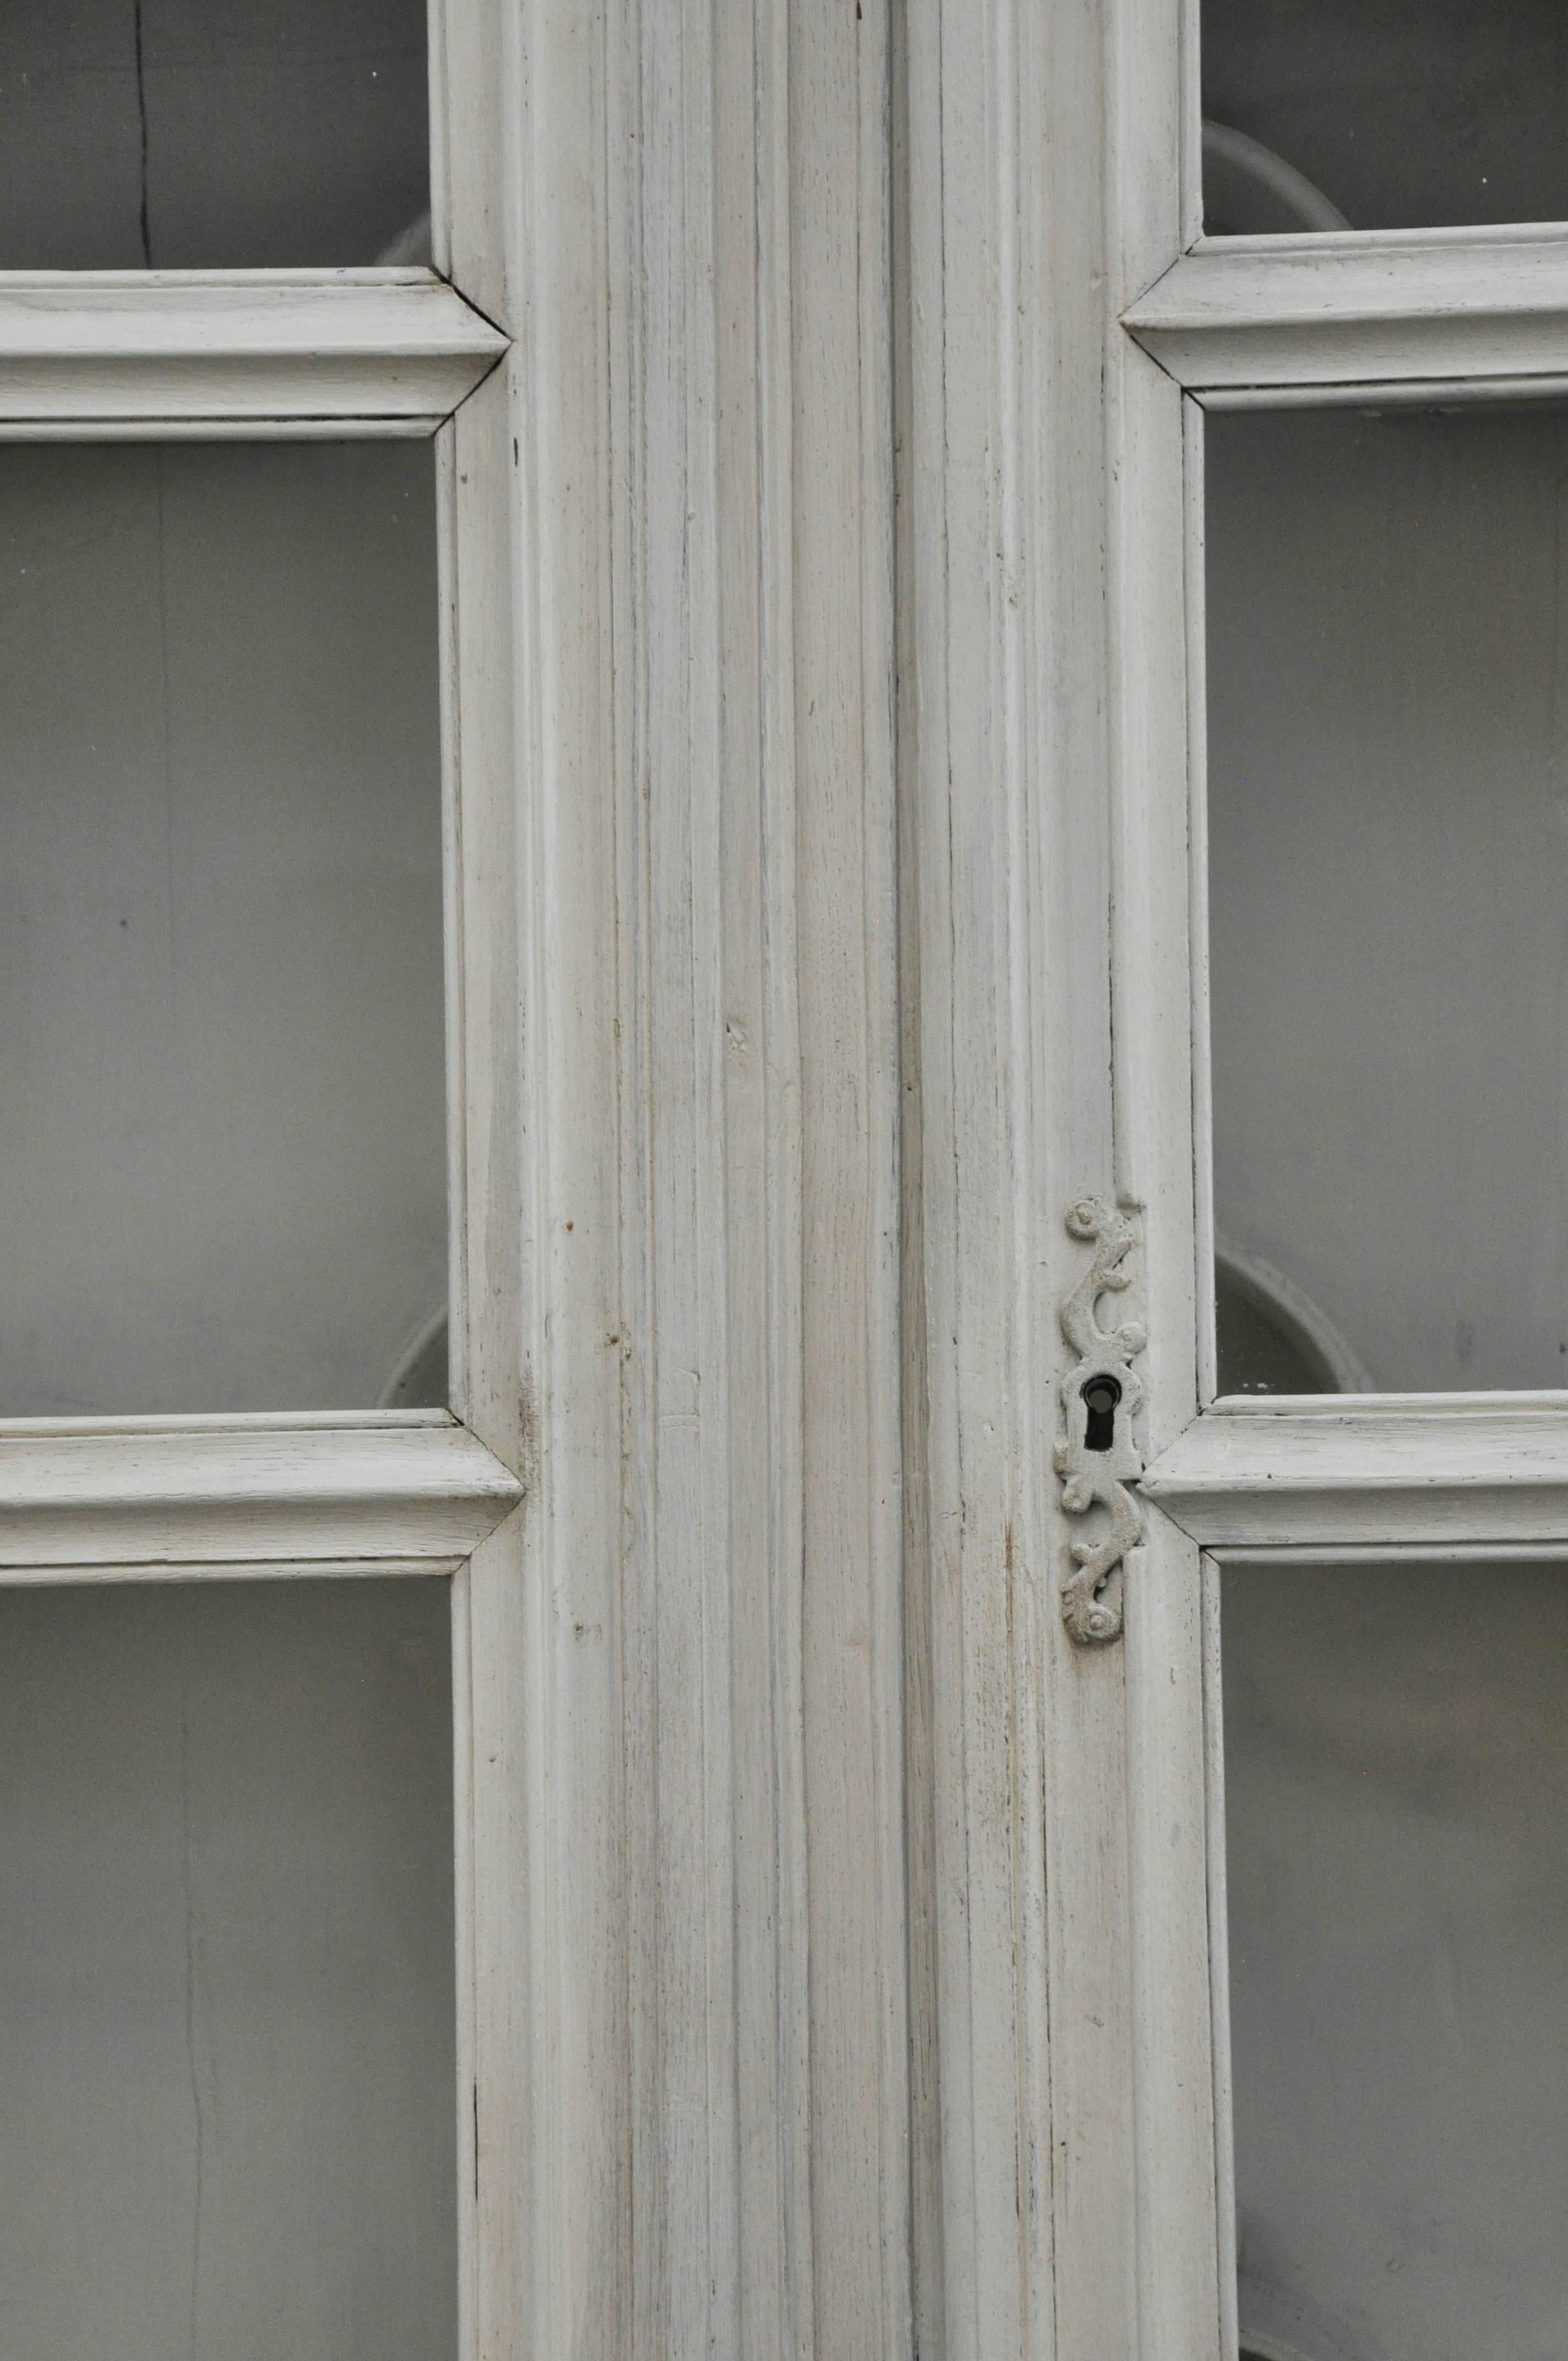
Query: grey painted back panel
[[226, 2076]]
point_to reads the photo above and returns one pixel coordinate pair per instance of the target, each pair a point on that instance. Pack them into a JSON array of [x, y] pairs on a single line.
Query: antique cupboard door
[[650, 364], [264, 1655], [1235, 722]]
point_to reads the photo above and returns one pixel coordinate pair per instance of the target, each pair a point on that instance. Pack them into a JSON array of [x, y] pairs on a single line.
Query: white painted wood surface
[[668, 633], [676, 1285], [697, 629], [750, 585], [1219, 1961], [1173, 2228], [1048, 803], [1384, 307], [1399, 1469], [834, 1935], [390, 344], [1005, 695], [177, 1494], [545, 2224]]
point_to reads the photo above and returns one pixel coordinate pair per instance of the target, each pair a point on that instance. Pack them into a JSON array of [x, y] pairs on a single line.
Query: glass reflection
[[210, 134], [1388, 877], [1396, 1753], [1395, 115], [227, 2086], [222, 1164]]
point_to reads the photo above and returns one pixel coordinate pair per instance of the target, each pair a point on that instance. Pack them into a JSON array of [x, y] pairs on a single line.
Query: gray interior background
[[1406, 113], [1397, 1848], [226, 1981], [223, 1162], [1389, 830], [251, 133], [1388, 783]]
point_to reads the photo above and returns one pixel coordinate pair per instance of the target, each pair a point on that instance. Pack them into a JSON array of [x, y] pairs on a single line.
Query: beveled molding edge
[[1369, 1471], [1102, 1393], [402, 1493], [1357, 310], [393, 349]]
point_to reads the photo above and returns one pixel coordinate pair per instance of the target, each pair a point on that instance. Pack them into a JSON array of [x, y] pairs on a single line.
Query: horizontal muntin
[[305, 1495], [366, 346], [1396, 1470], [1361, 309]]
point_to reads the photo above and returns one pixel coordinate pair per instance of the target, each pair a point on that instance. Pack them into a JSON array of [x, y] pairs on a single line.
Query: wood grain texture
[[1049, 802], [1175, 2230], [170, 1494], [1400, 1469], [755, 846], [1382, 307], [674, 994], [1007, 783], [1220, 1961], [166, 346], [547, 2225]]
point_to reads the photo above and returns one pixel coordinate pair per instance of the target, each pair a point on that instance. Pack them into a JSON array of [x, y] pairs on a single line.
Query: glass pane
[[210, 134], [1389, 868], [1396, 1859], [227, 2111], [1396, 115], [222, 1167]]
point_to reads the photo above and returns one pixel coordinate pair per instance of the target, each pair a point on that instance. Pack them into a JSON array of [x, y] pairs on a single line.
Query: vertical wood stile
[[680, 1726], [465, 2145], [1009, 476], [752, 606], [1173, 2083], [778, 1686], [1198, 808], [478, 126], [846, 935], [927, 2268], [1219, 1942], [1192, 125], [688, 1648], [532, 673]]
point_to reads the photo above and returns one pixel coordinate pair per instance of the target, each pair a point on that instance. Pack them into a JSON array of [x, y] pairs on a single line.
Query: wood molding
[[293, 1495], [1391, 1470], [675, 1284], [749, 594], [170, 350], [1047, 805], [1364, 311]]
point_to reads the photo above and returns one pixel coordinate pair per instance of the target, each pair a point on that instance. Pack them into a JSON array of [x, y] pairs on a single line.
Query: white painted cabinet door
[[319, 1506], [1074, 338], [655, 355], [818, 397]]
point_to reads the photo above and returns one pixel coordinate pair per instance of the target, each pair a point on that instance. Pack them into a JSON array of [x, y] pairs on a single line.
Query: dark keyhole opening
[[1100, 1395]]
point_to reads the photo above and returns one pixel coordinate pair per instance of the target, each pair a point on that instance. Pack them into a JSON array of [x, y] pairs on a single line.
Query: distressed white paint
[[1001, 693], [407, 1485], [1431, 1468], [1321, 308], [751, 603], [546, 2229], [169, 346], [1219, 1963], [1050, 810], [1321, 313], [690, 1944]]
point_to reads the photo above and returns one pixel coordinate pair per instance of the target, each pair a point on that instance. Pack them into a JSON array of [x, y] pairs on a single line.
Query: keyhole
[[1100, 1395]]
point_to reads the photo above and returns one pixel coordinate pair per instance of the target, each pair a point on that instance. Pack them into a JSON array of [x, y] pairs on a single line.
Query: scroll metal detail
[[1101, 1396]]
